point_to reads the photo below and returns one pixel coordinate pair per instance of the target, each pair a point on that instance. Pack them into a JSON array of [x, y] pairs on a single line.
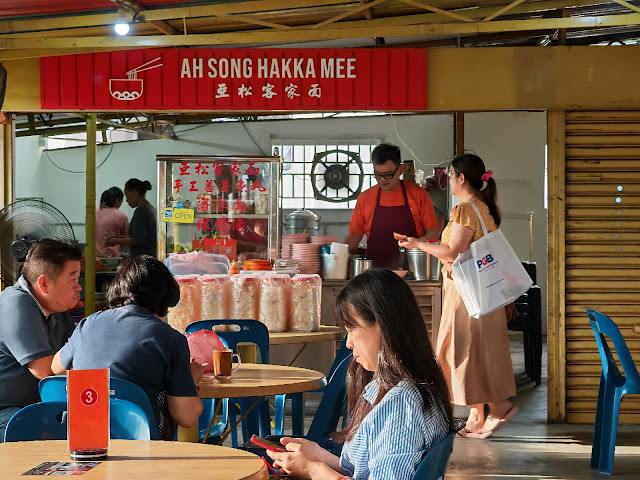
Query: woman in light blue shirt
[[398, 397]]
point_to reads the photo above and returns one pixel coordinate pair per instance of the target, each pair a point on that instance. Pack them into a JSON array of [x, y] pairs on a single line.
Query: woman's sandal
[[492, 424]]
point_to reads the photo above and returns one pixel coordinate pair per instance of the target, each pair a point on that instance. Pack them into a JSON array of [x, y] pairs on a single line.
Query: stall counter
[[428, 294]]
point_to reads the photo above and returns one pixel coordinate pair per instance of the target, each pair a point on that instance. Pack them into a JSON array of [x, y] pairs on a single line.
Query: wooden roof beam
[[302, 35], [80, 21], [437, 10]]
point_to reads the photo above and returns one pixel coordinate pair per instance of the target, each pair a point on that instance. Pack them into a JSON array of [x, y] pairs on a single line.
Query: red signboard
[[236, 79]]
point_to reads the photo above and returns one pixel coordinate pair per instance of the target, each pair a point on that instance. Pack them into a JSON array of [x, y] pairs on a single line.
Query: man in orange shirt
[[391, 206]]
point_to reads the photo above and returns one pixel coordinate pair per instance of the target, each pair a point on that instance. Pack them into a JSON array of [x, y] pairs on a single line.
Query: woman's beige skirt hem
[[474, 352]]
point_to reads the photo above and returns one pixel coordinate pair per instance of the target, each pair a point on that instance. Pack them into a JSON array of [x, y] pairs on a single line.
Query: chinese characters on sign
[[216, 186]]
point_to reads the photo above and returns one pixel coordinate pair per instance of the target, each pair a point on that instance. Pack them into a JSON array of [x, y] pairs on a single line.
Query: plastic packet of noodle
[[245, 290], [305, 303], [274, 302], [188, 308], [215, 296]]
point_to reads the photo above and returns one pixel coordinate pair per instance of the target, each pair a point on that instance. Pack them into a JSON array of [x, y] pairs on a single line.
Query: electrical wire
[[46, 152], [254, 140], [192, 128], [393, 120]]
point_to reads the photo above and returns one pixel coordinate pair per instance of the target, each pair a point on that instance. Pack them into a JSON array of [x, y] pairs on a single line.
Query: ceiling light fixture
[[122, 27]]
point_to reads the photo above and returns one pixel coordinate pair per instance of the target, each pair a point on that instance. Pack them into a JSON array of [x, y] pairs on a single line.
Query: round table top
[[636, 328], [135, 459], [325, 334], [255, 380]]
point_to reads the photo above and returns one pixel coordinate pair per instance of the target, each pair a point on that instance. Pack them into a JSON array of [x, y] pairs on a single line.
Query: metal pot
[[359, 265], [419, 264], [301, 220]]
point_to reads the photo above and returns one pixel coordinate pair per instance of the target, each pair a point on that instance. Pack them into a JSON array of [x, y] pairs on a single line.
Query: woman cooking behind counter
[[474, 353], [143, 228]]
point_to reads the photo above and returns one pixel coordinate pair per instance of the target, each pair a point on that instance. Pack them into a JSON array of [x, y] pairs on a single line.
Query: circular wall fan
[[336, 175], [21, 224]]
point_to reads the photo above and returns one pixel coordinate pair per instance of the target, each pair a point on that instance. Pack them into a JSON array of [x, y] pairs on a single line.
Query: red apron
[[382, 248]]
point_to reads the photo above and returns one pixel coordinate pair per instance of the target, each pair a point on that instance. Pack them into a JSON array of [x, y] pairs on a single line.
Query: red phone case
[[267, 444]]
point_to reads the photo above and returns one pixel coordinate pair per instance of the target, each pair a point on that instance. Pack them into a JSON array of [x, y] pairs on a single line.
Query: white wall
[[511, 143]]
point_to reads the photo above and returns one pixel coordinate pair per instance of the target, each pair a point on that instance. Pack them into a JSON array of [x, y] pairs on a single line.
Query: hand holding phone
[[267, 444]]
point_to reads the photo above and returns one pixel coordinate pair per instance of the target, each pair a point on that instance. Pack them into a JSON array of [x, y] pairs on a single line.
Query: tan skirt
[[474, 352]]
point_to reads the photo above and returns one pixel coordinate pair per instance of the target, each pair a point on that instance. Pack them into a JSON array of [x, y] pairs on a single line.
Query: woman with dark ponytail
[[143, 228], [474, 353]]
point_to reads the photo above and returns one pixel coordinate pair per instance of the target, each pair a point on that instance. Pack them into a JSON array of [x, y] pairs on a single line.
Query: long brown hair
[[472, 167], [380, 296]]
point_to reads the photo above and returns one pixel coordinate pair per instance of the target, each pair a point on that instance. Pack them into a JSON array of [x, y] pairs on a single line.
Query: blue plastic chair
[[53, 389], [333, 405], [250, 331], [434, 464], [613, 386], [48, 421], [297, 399]]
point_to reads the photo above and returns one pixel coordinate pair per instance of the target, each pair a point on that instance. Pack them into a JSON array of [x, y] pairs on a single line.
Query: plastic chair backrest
[[53, 389], [48, 421], [250, 331], [342, 353], [128, 421], [332, 405], [434, 465], [40, 421], [603, 325]]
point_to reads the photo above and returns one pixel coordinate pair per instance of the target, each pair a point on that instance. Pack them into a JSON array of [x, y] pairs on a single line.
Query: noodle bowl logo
[[131, 88]]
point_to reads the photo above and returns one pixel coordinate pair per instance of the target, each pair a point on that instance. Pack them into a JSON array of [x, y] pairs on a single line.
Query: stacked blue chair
[[297, 399], [613, 386], [333, 405], [250, 331], [54, 389], [48, 421]]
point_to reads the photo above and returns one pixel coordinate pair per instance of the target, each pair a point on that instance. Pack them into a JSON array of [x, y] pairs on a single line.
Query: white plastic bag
[[489, 275]]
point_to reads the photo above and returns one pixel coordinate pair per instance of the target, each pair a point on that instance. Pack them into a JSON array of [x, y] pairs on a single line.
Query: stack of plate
[[322, 239], [290, 239], [309, 256]]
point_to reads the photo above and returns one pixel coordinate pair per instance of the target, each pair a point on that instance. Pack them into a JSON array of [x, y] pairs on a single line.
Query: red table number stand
[[88, 413]]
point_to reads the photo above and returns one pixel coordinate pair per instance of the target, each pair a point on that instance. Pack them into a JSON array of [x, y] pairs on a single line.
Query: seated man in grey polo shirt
[[35, 323]]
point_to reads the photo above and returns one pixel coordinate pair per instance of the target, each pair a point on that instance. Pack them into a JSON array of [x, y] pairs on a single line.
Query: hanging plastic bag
[[489, 275], [202, 343]]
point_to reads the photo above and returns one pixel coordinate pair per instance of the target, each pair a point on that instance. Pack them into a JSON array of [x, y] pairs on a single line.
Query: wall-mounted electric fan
[[336, 176]]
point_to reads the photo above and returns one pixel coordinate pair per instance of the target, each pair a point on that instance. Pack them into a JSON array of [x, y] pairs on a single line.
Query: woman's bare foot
[[476, 419]]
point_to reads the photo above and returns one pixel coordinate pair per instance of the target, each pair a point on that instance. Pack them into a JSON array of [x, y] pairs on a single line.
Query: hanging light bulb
[[122, 27]]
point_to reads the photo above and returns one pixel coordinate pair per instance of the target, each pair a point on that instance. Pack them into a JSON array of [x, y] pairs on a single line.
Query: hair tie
[[486, 176]]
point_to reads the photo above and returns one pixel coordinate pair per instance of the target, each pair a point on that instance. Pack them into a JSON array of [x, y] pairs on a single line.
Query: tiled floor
[[528, 447]]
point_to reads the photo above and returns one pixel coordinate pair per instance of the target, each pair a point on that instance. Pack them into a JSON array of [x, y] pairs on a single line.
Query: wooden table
[[134, 459], [636, 328], [256, 380], [325, 334]]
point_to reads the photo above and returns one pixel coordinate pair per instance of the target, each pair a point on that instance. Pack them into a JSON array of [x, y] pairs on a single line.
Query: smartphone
[[267, 444]]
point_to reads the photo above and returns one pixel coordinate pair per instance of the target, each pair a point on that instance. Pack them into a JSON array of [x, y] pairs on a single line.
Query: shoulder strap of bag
[[484, 228]]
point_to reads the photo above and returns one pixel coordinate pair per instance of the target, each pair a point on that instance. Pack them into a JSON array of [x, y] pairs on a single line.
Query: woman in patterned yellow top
[[474, 353]]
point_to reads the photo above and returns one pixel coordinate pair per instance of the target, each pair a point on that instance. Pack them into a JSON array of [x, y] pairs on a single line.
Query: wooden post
[[90, 222], [7, 153], [556, 393]]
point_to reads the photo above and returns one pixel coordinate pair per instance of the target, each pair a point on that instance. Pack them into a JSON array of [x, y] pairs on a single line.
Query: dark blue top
[[137, 347], [143, 228], [26, 335]]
